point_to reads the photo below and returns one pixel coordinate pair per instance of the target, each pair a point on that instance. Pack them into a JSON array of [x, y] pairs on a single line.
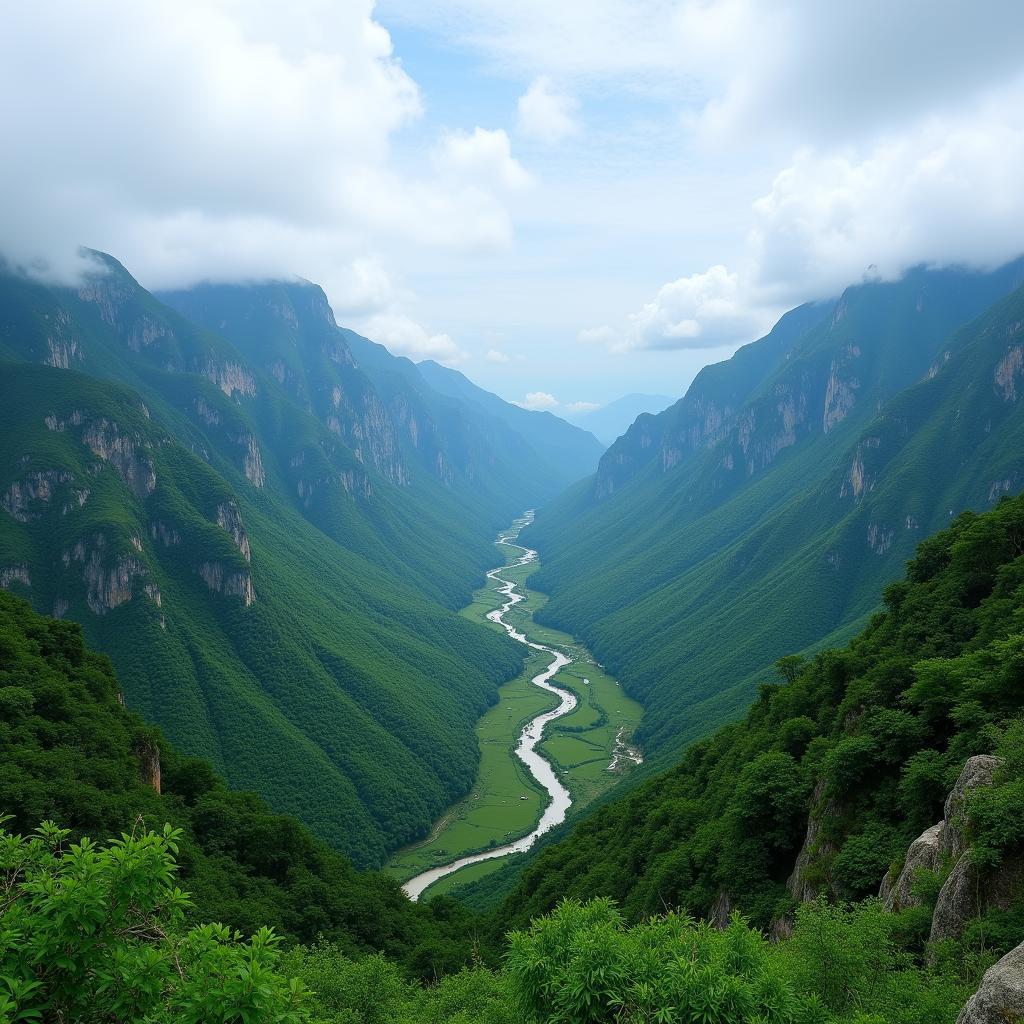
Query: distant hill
[[610, 421], [573, 450], [764, 511], [252, 534]]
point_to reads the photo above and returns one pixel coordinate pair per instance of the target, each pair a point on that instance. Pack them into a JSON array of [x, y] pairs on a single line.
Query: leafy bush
[[95, 933]]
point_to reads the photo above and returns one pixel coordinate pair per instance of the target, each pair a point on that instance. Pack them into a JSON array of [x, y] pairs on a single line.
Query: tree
[[94, 933]]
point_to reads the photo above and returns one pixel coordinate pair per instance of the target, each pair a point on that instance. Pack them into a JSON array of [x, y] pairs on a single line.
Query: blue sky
[[567, 201]]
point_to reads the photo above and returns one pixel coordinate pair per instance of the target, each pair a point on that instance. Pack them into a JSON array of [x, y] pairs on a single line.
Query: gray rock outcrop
[[923, 853], [1000, 997], [978, 771]]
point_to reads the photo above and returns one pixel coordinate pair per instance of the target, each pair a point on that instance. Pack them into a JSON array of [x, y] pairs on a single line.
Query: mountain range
[[268, 541], [762, 513]]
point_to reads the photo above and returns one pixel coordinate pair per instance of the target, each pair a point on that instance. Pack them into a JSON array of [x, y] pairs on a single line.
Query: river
[[526, 747]]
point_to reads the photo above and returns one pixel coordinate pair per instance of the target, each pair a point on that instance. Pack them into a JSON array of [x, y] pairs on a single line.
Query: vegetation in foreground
[[97, 933]]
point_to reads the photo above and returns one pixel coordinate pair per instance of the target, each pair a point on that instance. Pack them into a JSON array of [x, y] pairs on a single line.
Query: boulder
[[1000, 998], [977, 771], [959, 901], [923, 852]]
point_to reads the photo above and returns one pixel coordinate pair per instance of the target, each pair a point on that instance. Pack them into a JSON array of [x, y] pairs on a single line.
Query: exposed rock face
[[168, 536], [815, 846], [106, 440], [1000, 997], [109, 582], [1007, 371], [147, 753], [923, 853], [14, 573], [232, 582], [206, 412], [252, 462], [840, 396], [965, 893], [978, 771], [36, 487], [959, 901], [230, 377], [230, 520], [880, 538], [61, 354], [720, 910]]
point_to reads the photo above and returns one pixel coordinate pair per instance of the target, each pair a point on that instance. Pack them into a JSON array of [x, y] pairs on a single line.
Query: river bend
[[526, 746]]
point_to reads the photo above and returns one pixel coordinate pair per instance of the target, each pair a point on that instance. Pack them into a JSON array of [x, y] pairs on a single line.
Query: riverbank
[[506, 802]]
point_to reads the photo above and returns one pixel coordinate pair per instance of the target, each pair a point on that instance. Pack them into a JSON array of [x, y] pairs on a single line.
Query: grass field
[[579, 745]]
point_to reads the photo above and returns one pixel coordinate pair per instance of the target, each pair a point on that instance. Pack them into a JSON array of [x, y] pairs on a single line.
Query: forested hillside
[[72, 753], [764, 511], [110, 936], [251, 536], [839, 766]]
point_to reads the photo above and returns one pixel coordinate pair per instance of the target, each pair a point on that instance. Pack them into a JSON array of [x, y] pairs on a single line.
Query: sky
[[567, 201]]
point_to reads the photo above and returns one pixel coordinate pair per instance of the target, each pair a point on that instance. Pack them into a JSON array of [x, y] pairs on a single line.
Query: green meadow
[[505, 802]]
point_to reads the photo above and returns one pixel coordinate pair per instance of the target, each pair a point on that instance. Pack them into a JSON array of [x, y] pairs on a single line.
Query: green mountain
[[488, 453], [71, 752], [277, 600], [834, 772], [764, 511], [573, 450]]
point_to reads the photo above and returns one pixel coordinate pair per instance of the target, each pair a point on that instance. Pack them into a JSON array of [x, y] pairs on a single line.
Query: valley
[[531, 770]]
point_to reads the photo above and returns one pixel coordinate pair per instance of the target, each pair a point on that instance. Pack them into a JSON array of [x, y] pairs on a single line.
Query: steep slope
[[572, 450], [482, 449], [70, 752], [754, 530], [832, 774], [267, 596]]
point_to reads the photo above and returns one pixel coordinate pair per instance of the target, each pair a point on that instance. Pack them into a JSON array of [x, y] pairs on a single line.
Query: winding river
[[540, 768]]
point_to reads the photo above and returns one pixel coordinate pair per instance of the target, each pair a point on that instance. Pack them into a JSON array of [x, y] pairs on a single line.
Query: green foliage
[[343, 689], [859, 740], [69, 752], [741, 524], [96, 933]]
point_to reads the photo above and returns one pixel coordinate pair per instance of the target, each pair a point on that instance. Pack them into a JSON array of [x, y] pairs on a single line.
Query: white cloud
[[481, 158], [405, 337], [546, 115], [226, 140], [538, 400], [704, 310], [947, 192], [792, 66], [497, 356], [578, 407], [603, 335]]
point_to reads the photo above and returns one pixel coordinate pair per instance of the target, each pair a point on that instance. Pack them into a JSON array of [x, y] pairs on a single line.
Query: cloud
[[792, 67], [704, 310], [546, 115], [538, 400], [946, 192], [578, 407], [481, 158], [214, 139], [603, 335], [405, 337], [496, 356]]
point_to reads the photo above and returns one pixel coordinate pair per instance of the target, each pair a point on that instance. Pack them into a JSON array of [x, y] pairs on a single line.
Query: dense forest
[[256, 532], [868, 740], [764, 512]]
